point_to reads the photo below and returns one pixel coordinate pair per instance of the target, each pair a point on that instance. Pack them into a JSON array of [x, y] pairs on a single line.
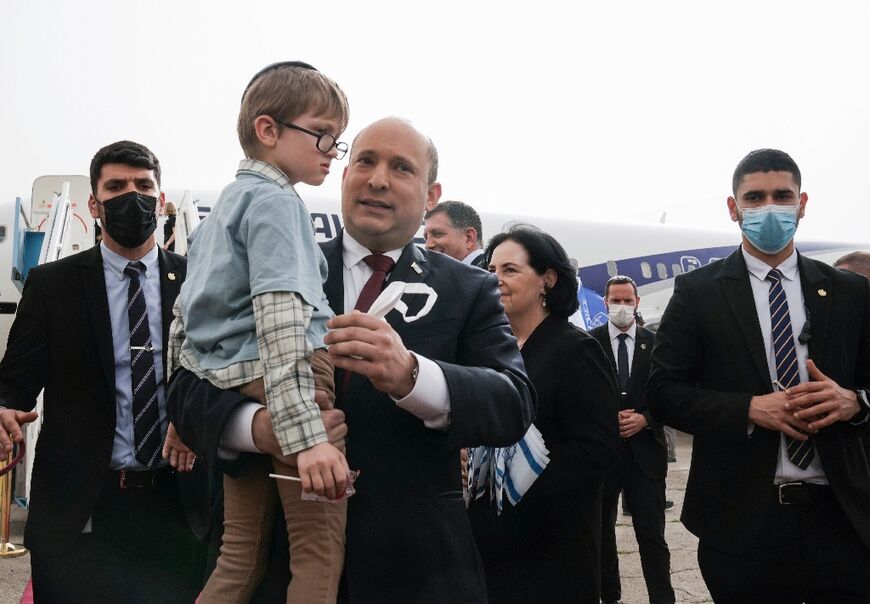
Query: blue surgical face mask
[[769, 228]]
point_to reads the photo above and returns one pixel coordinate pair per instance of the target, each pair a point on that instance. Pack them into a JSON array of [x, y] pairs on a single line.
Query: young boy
[[253, 312]]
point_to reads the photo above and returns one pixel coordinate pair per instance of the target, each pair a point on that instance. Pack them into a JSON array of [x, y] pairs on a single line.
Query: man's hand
[[336, 429], [769, 411], [369, 346], [265, 441], [821, 401], [179, 455], [11, 421], [630, 423], [323, 470]]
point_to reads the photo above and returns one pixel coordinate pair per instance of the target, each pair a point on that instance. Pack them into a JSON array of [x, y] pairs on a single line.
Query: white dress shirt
[[472, 256], [786, 471], [613, 331]]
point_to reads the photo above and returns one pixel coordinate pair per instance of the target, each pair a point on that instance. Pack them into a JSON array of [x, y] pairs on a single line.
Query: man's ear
[[161, 203], [732, 209], [803, 204], [93, 206], [471, 238], [433, 196], [267, 130]]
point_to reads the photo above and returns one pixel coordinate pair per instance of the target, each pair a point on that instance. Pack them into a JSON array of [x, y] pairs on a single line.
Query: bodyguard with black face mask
[[130, 218], [110, 519]]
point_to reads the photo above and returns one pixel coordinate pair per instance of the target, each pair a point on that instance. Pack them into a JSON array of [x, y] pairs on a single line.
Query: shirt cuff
[[429, 399], [237, 437]]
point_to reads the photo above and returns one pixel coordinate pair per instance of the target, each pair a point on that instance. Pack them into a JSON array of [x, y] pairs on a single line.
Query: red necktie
[[371, 290], [374, 286]]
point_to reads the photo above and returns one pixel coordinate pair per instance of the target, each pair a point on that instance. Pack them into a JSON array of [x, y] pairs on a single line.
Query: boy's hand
[[323, 470], [179, 455]]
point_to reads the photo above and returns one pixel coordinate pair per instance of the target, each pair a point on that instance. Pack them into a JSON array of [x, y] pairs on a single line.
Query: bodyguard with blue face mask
[[779, 488]]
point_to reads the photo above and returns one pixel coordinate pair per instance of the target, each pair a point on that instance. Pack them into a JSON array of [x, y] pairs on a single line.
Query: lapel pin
[[170, 276], [643, 346], [822, 293], [416, 268]]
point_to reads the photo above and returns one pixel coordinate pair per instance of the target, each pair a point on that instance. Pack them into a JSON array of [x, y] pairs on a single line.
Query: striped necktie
[[146, 417], [800, 452]]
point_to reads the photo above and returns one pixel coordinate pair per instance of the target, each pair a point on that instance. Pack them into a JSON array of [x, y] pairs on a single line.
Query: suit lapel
[[334, 290], [405, 271], [816, 297], [738, 293], [334, 286], [602, 334], [97, 303], [640, 360], [402, 271], [171, 276]]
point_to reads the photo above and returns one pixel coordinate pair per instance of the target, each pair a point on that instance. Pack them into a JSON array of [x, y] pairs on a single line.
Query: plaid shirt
[[285, 356]]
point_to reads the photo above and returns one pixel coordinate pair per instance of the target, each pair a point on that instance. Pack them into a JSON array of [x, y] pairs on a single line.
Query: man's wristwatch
[[415, 372], [864, 405]]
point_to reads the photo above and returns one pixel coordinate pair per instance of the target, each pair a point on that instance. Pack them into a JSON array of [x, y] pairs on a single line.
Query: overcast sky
[[607, 110]]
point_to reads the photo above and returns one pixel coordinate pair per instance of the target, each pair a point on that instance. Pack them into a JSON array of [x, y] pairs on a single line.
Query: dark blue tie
[[146, 416], [800, 452]]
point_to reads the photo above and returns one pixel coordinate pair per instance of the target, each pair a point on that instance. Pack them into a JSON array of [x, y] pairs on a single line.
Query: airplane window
[[662, 270], [645, 270], [611, 268], [676, 269]]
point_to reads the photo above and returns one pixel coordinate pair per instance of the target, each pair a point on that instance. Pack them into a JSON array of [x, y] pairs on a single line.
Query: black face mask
[[130, 218]]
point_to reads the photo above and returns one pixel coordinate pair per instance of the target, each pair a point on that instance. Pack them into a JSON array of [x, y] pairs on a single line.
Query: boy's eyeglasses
[[325, 142]]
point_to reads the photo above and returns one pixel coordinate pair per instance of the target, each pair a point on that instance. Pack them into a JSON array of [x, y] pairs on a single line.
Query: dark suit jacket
[[480, 261], [649, 446], [61, 341], [408, 535], [710, 361]]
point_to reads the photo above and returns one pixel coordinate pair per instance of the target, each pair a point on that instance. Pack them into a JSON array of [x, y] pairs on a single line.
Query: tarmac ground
[[685, 576]]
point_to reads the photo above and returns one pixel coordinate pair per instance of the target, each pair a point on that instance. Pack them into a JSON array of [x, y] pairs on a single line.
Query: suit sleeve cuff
[[429, 399]]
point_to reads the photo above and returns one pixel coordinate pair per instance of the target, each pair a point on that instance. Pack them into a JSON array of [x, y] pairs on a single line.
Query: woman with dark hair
[[544, 546]]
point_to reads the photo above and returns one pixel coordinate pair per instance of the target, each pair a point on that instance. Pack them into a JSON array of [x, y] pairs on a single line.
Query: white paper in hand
[[391, 298]]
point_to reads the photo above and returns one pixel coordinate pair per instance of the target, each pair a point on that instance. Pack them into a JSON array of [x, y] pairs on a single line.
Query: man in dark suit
[[857, 262], [643, 464], [414, 390], [107, 520], [454, 228], [763, 357]]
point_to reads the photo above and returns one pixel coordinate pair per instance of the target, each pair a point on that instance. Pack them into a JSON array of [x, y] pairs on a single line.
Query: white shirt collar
[[759, 268], [472, 256], [353, 251], [117, 263], [614, 331]]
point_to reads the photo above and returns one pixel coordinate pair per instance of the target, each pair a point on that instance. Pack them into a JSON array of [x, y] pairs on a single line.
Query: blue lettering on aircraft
[[645, 270]]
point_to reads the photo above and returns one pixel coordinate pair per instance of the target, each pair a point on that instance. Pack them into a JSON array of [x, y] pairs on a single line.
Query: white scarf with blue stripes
[[506, 470]]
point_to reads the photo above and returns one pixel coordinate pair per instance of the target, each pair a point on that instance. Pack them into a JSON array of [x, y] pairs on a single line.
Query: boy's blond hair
[[284, 93]]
